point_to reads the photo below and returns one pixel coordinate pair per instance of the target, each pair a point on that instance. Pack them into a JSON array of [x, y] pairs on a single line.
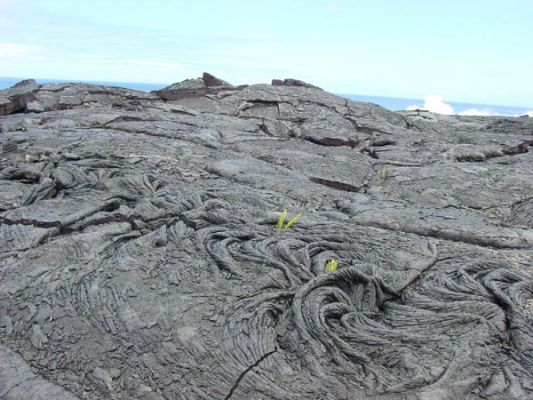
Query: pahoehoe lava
[[139, 257]]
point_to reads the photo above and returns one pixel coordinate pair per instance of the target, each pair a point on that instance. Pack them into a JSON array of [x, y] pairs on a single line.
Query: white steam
[[437, 105], [434, 104]]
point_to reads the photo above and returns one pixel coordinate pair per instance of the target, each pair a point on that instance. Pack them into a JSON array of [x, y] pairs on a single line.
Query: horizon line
[[90, 81]]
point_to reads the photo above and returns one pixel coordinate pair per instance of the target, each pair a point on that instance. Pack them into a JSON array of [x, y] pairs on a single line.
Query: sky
[[463, 50]]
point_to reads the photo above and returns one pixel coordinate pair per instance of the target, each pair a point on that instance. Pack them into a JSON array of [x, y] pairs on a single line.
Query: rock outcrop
[[15, 99], [292, 82], [207, 84], [139, 257]]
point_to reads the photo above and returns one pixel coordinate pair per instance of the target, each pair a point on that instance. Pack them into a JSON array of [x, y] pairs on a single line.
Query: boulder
[[293, 82], [16, 98], [207, 84]]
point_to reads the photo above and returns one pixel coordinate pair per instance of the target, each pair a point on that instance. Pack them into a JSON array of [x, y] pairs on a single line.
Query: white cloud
[[4, 22], [529, 113], [106, 67], [434, 104], [333, 8], [21, 52], [6, 13], [131, 62]]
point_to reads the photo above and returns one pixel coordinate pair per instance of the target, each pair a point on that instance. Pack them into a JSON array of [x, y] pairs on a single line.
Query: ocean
[[145, 87], [431, 103]]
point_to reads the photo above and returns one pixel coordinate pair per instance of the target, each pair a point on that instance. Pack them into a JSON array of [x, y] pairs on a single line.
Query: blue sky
[[464, 50]]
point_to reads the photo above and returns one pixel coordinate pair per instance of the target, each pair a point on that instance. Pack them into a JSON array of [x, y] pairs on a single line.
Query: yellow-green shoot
[[293, 221], [281, 219], [331, 266], [383, 173]]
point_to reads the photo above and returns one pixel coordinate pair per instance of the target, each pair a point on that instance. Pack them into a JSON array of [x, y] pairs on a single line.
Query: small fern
[[331, 266], [383, 173], [281, 219], [293, 221]]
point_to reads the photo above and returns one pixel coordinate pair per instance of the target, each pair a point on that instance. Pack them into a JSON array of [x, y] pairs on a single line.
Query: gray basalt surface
[[139, 257]]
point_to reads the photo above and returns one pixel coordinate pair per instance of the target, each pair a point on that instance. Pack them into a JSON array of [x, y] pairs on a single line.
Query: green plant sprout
[[279, 225], [331, 266], [282, 217], [293, 221], [383, 173]]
